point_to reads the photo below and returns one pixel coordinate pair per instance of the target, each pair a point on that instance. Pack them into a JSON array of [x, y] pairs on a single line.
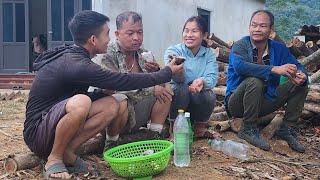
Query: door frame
[[1, 38], [26, 35]]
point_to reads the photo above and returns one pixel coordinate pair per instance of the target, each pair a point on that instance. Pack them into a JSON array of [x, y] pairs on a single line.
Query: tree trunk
[[220, 90], [220, 125], [313, 107], [313, 96], [312, 45], [272, 127], [236, 124], [306, 114], [313, 58], [219, 109], [220, 116], [27, 161], [15, 163], [219, 41], [315, 88], [315, 77], [302, 47], [222, 66], [211, 43], [294, 50], [222, 54], [222, 79]]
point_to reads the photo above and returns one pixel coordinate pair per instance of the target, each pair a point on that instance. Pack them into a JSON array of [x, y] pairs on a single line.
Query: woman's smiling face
[[192, 35]]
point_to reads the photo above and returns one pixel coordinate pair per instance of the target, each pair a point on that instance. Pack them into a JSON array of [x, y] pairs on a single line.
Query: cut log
[[315, 77], [220, 116], [222, 54], [294, 50], [305, 51], [19, 162], [219, 109], [272, 127], [27, 161], [219, 41], [313, 107], [306, 114], [236, 124], [222, 79], [312, 45], [223, 67], [314, 87], [313, 96], [211, 43], [230, 44], [313, 58], [220, 90], [220, 125], [92, 146]]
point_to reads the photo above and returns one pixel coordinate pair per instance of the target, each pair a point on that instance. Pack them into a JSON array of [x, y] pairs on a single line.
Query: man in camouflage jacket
[[137, 107]]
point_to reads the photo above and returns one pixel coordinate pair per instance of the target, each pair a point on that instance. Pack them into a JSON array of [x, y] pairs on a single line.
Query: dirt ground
[[279, 163]]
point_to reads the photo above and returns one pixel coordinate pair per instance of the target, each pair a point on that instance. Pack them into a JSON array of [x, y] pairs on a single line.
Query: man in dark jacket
[[60, 115], [253, 90]]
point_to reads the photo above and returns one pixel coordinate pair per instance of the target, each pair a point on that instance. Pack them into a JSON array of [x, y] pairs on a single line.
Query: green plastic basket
[[133, 161]]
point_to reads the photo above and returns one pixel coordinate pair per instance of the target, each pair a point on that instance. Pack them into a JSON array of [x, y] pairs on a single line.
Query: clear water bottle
[[181, 141], [230, 148], [187, 116]]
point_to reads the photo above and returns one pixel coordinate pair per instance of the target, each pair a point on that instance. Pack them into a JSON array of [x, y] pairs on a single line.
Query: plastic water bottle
[[181, 141], [230, 148], [187, 116]]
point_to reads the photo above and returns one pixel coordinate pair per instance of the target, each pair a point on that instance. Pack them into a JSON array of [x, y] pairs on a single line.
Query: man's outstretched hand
[[176, 69]]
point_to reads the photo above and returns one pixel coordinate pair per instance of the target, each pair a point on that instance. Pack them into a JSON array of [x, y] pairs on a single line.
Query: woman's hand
[[196, 86]]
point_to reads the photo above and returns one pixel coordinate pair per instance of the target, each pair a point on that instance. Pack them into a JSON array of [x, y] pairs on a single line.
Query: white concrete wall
[[163, 20]]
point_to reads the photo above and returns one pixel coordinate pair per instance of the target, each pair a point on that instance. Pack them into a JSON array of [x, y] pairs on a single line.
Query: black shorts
[[44, 138]]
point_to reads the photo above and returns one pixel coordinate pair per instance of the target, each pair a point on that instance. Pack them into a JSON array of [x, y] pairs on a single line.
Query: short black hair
[[270, 15], [85, 24], [121, 18]]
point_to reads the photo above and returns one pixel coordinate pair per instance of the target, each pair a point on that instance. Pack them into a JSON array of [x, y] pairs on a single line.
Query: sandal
[[80, 166], [201, 130], [53, 169]]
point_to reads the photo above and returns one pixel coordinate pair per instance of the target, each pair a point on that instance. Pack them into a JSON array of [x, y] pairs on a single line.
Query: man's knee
[[123, 107], [181, 90], [254, 82], [204, 97], [113, 106], [80, 104]]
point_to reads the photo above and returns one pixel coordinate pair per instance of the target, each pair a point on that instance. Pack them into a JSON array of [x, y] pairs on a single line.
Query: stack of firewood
[[311, 33], [310, 57], [301, 50]]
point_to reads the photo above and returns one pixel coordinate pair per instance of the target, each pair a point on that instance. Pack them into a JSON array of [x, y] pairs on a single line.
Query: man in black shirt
[[60, 115]]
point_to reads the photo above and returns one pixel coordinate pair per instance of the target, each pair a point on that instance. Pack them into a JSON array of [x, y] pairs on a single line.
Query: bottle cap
[[187, 114], [180, 111]]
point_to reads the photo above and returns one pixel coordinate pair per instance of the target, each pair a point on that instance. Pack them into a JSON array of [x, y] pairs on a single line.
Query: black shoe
[[285, 133], [250, 133]]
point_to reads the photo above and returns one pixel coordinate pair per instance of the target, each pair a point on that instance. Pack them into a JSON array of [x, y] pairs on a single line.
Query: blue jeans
[[200, 105]]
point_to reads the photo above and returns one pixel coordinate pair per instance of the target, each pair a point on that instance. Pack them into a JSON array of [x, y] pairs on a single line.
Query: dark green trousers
[[248, 101]]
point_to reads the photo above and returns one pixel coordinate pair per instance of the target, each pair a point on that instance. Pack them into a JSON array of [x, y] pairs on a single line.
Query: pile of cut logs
[[308, 55]]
